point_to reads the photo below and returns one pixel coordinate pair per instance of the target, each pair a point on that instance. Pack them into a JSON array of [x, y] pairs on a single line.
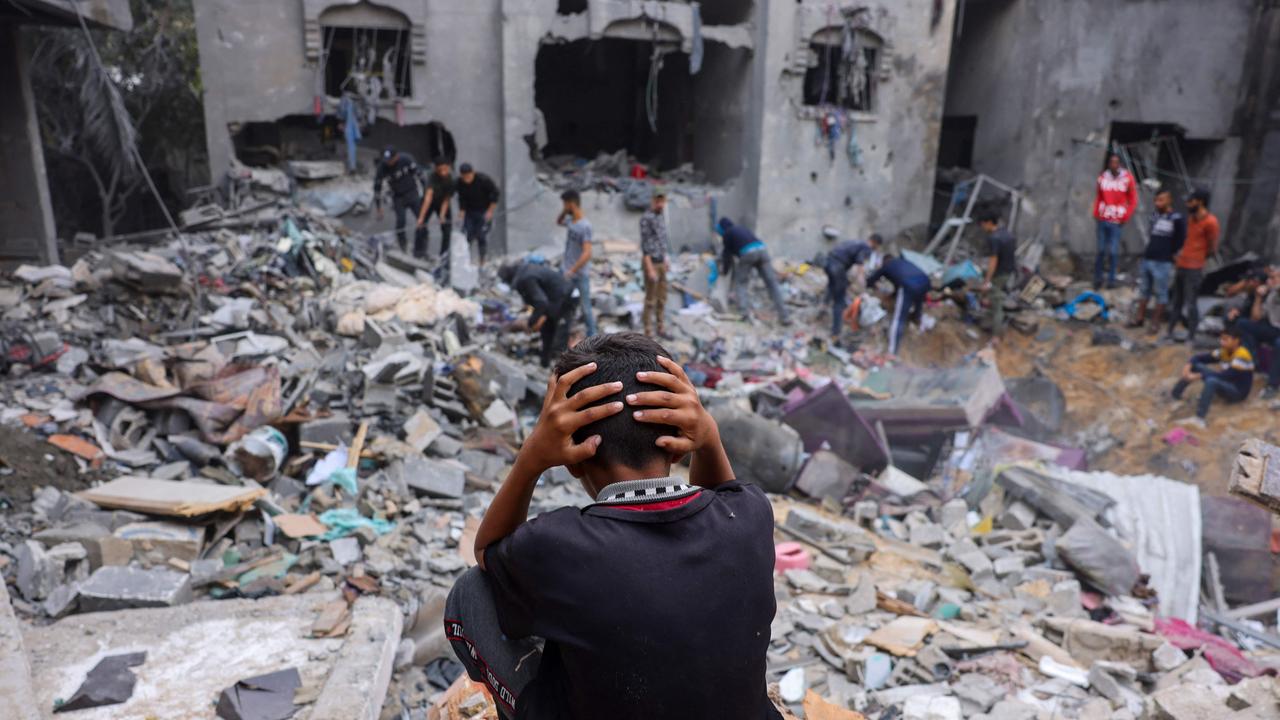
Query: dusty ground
[[1117, 392], [28, 462]]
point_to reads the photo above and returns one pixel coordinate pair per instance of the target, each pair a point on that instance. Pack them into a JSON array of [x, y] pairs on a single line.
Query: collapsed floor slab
[[195, 651]]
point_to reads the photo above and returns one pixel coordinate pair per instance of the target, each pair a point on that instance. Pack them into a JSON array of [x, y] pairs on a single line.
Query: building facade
[[789, 116]]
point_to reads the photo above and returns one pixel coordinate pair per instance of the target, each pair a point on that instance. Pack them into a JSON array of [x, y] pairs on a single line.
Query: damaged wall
[[26, 216], [1047, 79]]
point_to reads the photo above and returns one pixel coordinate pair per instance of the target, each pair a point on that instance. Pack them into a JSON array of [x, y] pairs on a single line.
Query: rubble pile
[[281, 411]]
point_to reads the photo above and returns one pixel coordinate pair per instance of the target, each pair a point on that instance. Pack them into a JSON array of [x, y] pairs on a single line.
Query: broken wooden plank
[[169, 497]]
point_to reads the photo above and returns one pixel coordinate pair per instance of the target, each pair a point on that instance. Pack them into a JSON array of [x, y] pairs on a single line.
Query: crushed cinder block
[[1167, 657], [332, 430], [932, 708], [1008, 565], [928, 535], [421, 430], [1018, 516], [346, 550], [433, 478], [826, 474], [160, 541], [498, 415], [953, 515], [118, 588], [1064, 599]]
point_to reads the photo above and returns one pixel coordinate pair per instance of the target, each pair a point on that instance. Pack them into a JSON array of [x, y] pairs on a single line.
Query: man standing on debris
[[477, 200], [1263, 327], [742, 245], [1168, 232], [577, 252], [438, 202], [1201, 242], [843, 257], [1113, 205], [910, 285], [1227, 372], [654, 246], [1002, 265], [404, 174], [656, 600], [551, 297]]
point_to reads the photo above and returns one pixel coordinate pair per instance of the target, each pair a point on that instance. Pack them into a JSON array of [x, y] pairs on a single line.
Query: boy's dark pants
[[1214, 386], [503, 665]]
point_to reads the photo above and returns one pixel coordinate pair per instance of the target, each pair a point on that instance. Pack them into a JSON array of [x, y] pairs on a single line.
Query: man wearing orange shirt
[[1201, 242]]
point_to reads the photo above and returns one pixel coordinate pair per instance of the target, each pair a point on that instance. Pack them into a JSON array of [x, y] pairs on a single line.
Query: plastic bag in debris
[[332, 470], [870, 311], [344, 521], [1099, 557]]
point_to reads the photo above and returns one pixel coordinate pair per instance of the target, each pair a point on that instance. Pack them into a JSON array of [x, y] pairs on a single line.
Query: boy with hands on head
[[653, 602]]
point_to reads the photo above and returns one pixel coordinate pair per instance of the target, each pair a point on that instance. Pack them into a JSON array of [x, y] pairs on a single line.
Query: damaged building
[[26, 214], [1039, 91], [791, 116]]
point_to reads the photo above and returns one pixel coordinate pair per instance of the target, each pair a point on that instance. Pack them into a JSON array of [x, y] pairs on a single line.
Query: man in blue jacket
[[744, 252], [910, 286]]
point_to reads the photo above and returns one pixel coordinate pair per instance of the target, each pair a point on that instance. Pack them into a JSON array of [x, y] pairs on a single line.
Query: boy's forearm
[[510, 507], [710, 466]]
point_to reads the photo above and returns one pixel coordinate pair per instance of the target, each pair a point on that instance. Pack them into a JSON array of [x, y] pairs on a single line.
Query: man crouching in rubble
[[653, 602]]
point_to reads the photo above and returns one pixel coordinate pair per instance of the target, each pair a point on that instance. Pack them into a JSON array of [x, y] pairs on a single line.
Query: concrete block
[[1018, 516], [333, 430], [498, 415], [1012, 710], [1064, 600], [954, 515], [1189, 702], [1009, 565], [421, 430], [118, 588], [928, 535], [826, 474], [445, 446], [482, 464], [35, 576], [1167, 657], [1107, 685], [975, 561], [160, 541], [863, 598], [433, 478], [102, 547]]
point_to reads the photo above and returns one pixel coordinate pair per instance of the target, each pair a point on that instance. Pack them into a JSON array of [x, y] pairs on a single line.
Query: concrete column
[[26, 217]]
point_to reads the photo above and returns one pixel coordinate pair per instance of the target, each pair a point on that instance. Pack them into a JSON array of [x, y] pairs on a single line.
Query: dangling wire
[[656, 61]]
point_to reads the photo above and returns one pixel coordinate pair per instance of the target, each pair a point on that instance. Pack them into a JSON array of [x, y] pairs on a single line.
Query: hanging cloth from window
[[351, 128], [695, 54]]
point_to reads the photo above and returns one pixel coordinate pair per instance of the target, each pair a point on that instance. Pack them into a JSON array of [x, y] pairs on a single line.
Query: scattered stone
[[118, 588]]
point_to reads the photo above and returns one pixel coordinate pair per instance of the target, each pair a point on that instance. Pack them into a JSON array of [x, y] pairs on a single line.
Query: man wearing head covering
[[404, 174]]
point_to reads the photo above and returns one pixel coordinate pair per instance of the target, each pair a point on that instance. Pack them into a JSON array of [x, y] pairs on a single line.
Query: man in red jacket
[[1112, 207]]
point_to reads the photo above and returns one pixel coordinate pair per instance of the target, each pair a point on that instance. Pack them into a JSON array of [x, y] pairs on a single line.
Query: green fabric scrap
[[344, 521]]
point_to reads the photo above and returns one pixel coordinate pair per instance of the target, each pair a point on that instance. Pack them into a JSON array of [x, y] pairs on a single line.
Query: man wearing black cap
[[842, 257], [477, 199], [404, 174]]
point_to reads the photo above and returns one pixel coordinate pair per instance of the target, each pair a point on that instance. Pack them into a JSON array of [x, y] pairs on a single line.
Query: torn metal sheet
[[1160, 520], [262, 697], [827, 416], [956, 397], [110, 682]]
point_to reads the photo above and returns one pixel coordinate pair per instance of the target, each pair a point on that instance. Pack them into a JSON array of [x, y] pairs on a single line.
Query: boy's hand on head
[[551, 442], [678, 405]]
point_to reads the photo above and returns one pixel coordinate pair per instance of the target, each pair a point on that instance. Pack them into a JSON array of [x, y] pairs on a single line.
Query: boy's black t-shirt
[[647, 614]]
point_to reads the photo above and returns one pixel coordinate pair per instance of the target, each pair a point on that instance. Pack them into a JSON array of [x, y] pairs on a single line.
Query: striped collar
[[631, 491]]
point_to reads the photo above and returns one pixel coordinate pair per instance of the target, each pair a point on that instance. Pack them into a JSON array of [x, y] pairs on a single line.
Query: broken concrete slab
[[195, 651], [332, 430], [421, 430], [826, 474], [118, 588], [159, 541], [167, 497], [17, 691], [1255, 474], [433, 478]]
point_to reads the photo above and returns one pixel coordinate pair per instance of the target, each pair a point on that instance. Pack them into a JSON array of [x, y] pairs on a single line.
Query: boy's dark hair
[[571, 196], [989, 216], [1201, 194], [507, 273], [618, 357], [875, 239], [1233, 330]]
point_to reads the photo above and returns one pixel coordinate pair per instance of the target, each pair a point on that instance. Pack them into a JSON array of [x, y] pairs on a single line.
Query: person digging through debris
[[404, 174], [578, 238], [1226, 372], [1168, 231], [656, 600], [552, 299], [438, 202], [477, 200], [744, 252], [910, 286], [1201, 242], [1113, 205], [655, 245], [843, 257], [1002, 266]]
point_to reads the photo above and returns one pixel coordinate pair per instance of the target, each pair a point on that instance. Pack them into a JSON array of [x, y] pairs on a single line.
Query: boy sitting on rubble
[[1226, 372], [653, 602]]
